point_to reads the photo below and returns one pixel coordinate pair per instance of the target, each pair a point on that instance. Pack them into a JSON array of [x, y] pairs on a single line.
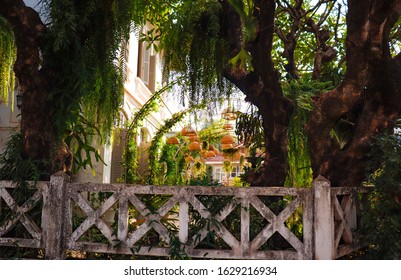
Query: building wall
[[220, 175], [97, 174], [8, 121], [138, 89]]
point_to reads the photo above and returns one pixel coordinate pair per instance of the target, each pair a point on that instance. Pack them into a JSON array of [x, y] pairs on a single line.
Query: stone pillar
[[54, 202], [324, 220]]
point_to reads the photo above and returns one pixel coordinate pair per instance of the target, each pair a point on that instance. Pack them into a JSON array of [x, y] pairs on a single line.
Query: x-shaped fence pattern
[[184, 197], [19, 214], [124, 201], [344, 205]]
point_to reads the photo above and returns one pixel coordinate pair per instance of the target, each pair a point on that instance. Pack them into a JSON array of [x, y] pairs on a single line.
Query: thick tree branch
[[232, 31], [367, 95], [261, 87], [290, 40], [261, 49], [27, 27]]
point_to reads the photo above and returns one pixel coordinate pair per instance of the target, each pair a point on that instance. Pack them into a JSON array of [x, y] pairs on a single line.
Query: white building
[[8, 121], [144, 77]]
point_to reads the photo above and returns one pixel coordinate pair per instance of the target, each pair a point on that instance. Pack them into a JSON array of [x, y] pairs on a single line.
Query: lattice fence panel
[[17, 225], [346, 206], [137, 224]]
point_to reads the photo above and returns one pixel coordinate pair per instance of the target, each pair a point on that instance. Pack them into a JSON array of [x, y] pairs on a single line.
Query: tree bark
[[368, 97], [262, 88], [40, 143]]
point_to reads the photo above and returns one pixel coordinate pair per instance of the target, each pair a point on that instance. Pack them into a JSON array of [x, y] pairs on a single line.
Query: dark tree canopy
[[260, 45], [257, 46]]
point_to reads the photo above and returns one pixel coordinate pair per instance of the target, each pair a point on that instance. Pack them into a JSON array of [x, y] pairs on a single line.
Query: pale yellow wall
[[8, 122]]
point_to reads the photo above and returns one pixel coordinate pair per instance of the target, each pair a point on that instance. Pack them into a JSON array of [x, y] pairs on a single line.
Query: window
[[220, 175], [145, 63], [235, 172], [126, 47], [217, 174]]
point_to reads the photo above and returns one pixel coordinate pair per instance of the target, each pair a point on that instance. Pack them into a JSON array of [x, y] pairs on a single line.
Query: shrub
[[381, 223]]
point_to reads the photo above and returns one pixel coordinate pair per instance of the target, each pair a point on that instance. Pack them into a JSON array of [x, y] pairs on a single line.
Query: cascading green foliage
[[84, 41], [192, 44], [131, 150], [301, 93], [8, 55], [249, 129], [189, 34]]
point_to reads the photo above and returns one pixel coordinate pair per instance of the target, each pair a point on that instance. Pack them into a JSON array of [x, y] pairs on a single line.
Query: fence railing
[[200, 222]]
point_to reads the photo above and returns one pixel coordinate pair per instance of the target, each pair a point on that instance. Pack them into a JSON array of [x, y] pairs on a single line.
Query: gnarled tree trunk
[[368, 99], [365, 104], [39, 140]]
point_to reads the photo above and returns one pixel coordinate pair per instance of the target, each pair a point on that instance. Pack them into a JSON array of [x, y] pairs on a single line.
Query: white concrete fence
[[326, 215]]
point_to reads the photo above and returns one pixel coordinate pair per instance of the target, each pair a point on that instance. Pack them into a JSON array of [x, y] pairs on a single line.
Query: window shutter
[[152, 73], [117, 161], [145, 65]]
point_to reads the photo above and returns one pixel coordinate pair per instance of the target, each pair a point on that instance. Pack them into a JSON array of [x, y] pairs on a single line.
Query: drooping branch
[[66, 68], [130, 149], [156, 141], [8, 55], [291, 38]]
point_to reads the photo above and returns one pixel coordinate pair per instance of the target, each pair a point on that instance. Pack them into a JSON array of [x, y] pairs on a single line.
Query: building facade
[[143, 78]]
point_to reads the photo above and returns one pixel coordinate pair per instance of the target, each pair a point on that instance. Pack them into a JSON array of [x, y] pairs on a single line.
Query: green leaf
[[242, 61]]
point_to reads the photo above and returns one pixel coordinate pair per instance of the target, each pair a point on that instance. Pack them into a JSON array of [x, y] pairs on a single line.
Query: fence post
[[53, 216], [324, 221]]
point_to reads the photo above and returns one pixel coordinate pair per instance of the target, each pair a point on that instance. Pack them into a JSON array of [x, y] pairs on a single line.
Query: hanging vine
[[249, 129], [8, 55], [156, 143], [87, 38], [190, 36], [131, 149], [175, 161], [301, 93]]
